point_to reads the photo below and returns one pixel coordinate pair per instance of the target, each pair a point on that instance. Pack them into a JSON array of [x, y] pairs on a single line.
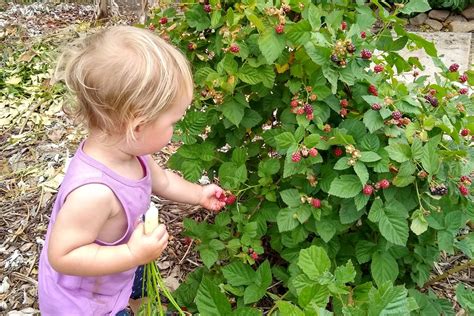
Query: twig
[[451, 271], [187, 251]]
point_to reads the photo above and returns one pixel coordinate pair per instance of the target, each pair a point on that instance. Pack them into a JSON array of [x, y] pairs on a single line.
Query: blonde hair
[[123, 75]]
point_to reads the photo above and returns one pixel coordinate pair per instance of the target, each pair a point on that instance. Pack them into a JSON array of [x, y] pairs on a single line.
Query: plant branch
[[451, 271]]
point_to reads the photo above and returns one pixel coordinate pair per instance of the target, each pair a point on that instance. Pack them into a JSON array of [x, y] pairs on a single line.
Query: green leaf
[[287, 219], [373, 121], [314, 262], [285, 140], [268, 167], [291, 197], [271, 45], [246, 311], [233, 110], [197, 18], [342, 164], [399, 152], [383, 267], [418, 224], [388, 300], [345, 274], [288, 309], [364, 250], [370, 142], [403, 181], [192, 170], [210, 300], [299, 33], [238, 273], [332, 76], [345, 186], [249, 74], [465, 297], [394, 228], [414, 6], [376, 210], [430, 159], [362, 172], [369, 156], [208, 256]]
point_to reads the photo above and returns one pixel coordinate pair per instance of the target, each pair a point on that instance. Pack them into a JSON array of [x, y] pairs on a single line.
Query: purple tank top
[[61, 294]]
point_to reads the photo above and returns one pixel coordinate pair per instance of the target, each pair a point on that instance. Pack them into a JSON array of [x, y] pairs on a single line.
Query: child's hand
[[146, 248], [210, 197]]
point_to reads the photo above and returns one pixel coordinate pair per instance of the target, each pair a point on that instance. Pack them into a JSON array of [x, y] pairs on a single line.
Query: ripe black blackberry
[[439, 189]]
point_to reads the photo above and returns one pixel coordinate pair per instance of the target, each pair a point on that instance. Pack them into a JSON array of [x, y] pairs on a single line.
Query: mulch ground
[[31, 168]]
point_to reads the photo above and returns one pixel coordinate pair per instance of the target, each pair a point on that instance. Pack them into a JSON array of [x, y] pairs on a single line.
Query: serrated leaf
[[369, 156], [285, 140], [210, 300], [418, 224], [399, 152], [238, 273], [362, 172], [291, 197], [271, 45], [314, 261], [383, 268], [286, 220], [364, 250], [345, 186], [414, 6], [373, 121], [342, 164], [394, 228], [208, 256], [288, 309], [299, 33]]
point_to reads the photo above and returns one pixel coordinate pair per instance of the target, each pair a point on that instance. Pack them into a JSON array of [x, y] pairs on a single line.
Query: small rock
[[419, 19], [468, 13], [29, 311], [3, 306], [455, 17], [461, 27], [4, 286], [435, 25], [440, 15]]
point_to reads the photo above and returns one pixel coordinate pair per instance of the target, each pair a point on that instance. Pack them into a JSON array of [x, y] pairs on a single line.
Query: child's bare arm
[[72, 249], [173, 187]]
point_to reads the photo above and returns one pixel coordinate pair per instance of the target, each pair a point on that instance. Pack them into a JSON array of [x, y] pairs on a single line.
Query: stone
[[439, 15], [455, 17], [461, 27], [435, 25], [468, 13], [419, 19]]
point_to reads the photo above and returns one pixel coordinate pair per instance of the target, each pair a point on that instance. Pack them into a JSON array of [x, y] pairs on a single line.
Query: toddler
[[131, 88]]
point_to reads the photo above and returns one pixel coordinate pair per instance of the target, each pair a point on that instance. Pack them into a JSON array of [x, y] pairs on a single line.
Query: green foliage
[[450, 4], [337, 201]]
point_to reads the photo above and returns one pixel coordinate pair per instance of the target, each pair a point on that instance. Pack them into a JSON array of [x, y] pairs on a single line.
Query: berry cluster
[[305, 109], [464, 183], [439, 189], [344, 104], [304, 152], [228, 198], [341, 51]]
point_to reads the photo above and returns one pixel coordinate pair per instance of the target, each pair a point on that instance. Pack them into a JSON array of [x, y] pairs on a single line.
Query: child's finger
[[160, 231]]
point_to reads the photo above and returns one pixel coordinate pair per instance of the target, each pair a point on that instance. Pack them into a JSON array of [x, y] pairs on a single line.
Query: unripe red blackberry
[[463, 190], [384, 184], [230, 199], [254, 256], [453, 68], [363, 34], [294, 103], [279, 29], [463, 91], [343, 112], [376, 107], [151, 27], [463, 78], [234, 48], [316, 203], [308, 108], [310, 116], [207, 8], [338, 152], [373, 90], [465, 132], [365, 54], [344, 103], [343, 25], [300, 110], [296, 157], [192, 46], [378, 68], [368, 190], [396, 115], [313, 152], [164, 20]]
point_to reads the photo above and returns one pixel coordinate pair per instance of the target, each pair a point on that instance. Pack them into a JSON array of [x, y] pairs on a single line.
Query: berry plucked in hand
[[365, 54], [384, 184], [230, 199], [313, 152], [344, 103], [465, 132], [378, 68], [296, 157], [396, 115], [463, 78], [376, 107], [373, 90], [439, 189], [463, 190], [338, 152], [164, 20], [316, 203], [279, 29], [308, 109], [453, 68], [368, 190], [234, 48]]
